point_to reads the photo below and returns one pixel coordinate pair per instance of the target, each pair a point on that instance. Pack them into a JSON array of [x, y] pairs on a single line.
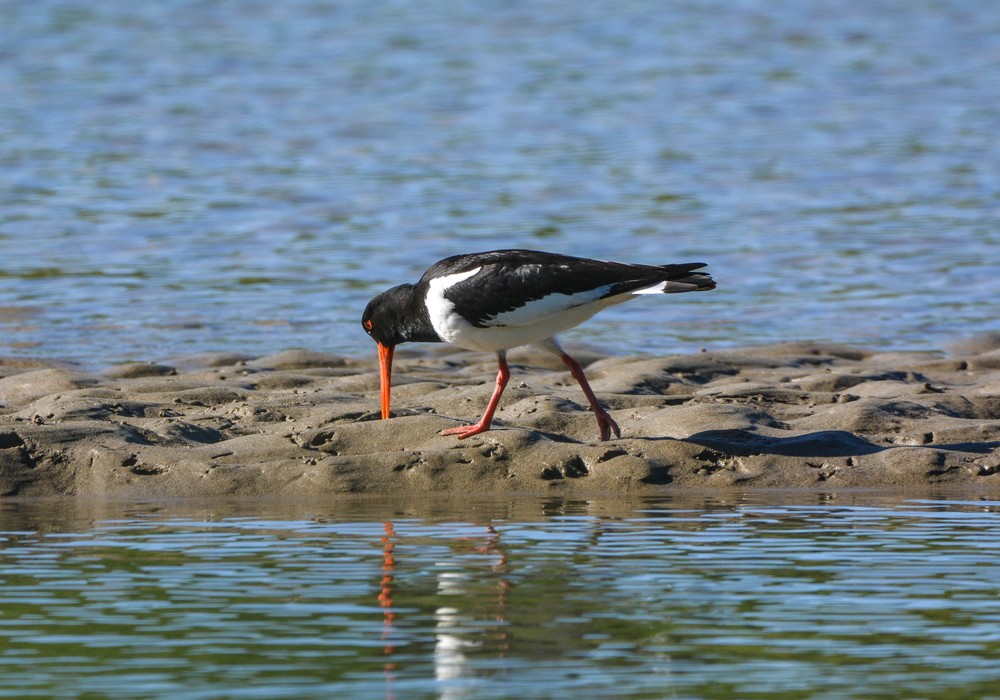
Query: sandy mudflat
[[303, 423]]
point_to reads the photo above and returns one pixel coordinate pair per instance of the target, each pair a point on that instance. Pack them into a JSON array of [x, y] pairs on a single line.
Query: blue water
[[179, 177], [725, 596]]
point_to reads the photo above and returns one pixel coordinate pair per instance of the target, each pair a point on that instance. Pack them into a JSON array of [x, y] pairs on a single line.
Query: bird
[[501, 299]]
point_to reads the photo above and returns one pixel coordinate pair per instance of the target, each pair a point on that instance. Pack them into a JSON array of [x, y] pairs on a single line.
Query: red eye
[[368, 325]]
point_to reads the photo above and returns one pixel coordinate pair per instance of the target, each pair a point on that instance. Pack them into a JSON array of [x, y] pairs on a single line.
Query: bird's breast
[[447, 323]]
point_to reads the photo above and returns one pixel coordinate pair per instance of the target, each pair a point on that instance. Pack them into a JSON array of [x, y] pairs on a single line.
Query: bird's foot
[[464, 431], [607, 425]]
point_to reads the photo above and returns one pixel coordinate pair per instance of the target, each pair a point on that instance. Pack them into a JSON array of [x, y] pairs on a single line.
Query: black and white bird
[[503, 299]]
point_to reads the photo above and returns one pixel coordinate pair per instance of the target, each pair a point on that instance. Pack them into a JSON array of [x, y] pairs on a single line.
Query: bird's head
[[384, 319]]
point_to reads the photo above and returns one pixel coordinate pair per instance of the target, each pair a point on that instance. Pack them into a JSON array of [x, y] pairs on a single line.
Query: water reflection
[[722, 595]]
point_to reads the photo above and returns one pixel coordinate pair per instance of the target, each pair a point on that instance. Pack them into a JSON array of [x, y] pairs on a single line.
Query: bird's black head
[[382, 318], [397, 316]]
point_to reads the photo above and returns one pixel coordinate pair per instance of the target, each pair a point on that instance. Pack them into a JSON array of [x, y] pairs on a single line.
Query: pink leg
[[604, 421], [503, 376]]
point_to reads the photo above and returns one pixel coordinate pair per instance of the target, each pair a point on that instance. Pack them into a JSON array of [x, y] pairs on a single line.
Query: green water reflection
[[746, 595]]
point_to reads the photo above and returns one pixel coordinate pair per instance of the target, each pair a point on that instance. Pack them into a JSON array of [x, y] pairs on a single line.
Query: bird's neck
[[416, 323]]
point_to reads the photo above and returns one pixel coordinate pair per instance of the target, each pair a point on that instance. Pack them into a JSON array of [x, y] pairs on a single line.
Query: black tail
[[682, 278]]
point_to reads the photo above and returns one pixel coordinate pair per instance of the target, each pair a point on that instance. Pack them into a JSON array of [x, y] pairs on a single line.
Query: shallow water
[[752, 595], [181, 177]]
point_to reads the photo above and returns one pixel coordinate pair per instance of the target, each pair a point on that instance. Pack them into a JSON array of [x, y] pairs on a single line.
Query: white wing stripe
[[538, 310], [655, 289]]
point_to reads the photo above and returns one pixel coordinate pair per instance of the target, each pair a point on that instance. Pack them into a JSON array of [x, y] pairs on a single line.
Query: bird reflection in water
[[452, 627], [385, 600]]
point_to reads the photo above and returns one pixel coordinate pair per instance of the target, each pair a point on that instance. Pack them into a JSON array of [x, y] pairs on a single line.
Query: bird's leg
[[503, 376], [604, 420]]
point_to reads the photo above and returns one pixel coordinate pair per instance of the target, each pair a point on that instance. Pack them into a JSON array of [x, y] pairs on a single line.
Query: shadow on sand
[[824, 443]]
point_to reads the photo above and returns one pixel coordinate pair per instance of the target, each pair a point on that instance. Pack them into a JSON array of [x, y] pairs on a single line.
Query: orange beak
[[385, 375]]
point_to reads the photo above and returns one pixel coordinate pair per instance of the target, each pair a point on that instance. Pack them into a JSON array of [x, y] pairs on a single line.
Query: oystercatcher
[[502, 299]]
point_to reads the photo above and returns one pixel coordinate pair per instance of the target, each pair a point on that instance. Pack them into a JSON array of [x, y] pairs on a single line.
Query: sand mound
[[306, 423]]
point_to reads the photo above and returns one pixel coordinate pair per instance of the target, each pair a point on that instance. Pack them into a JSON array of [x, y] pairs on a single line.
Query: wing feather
[[524, 287]]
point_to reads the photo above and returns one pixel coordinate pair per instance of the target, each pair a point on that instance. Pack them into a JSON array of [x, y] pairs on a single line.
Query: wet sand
[[301, 423]]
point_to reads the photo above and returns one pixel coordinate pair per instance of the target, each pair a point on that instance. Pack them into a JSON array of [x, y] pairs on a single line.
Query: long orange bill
[[385, 374]]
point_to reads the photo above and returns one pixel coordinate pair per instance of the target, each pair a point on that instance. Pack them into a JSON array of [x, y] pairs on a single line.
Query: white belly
[[456, 330]]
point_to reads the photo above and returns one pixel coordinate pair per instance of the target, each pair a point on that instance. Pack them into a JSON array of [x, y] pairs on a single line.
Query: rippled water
[[821, 596], [243, 176]]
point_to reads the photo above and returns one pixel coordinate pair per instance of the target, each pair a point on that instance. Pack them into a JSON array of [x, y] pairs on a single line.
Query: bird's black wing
[[523, 287]]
